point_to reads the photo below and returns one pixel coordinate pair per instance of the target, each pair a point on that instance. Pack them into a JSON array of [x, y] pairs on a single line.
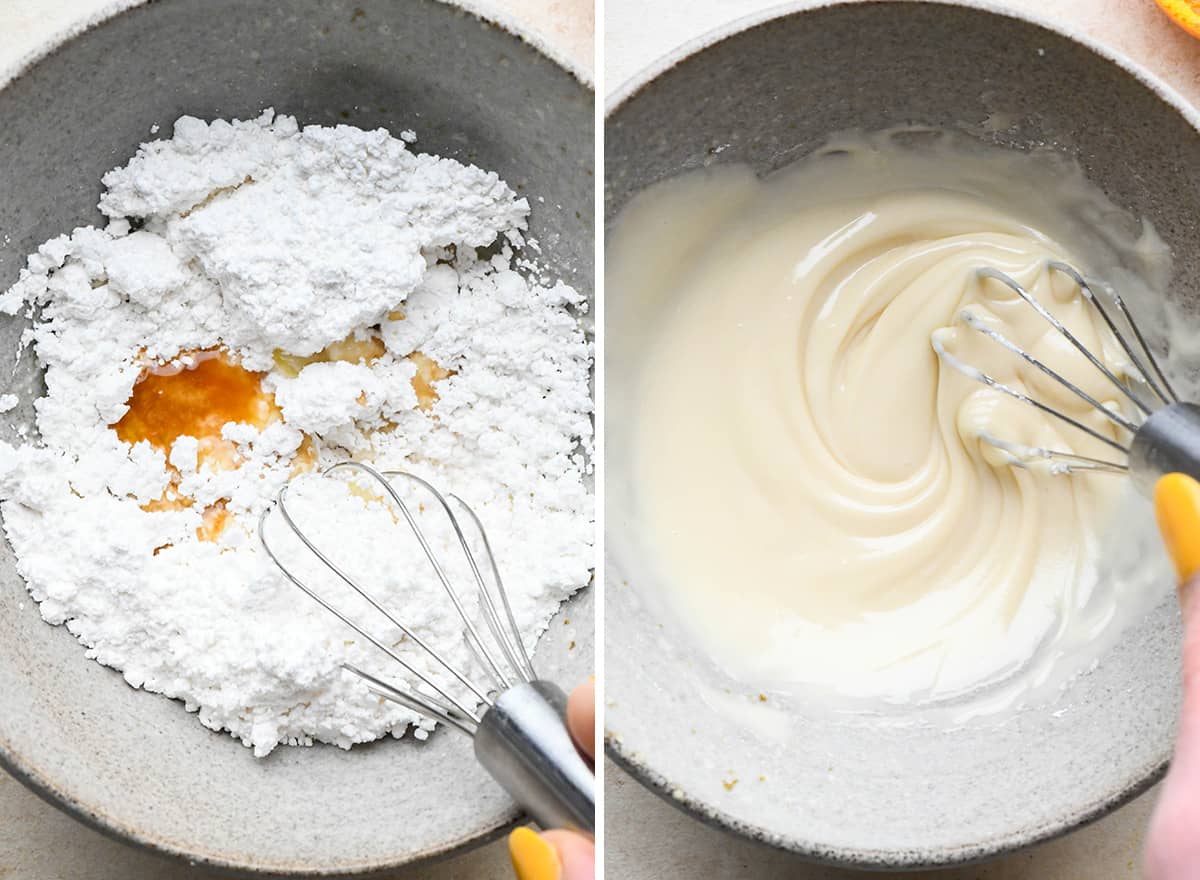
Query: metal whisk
[[1163, 433], [520, 735]]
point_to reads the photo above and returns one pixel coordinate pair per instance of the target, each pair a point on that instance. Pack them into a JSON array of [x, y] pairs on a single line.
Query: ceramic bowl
[[134, 764], [867, 791]]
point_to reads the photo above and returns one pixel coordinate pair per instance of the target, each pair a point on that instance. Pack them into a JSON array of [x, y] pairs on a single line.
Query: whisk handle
[[524, 743], [1167, 442]]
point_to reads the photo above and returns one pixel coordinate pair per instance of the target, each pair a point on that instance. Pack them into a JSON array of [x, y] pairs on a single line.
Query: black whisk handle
[[1167, 442]]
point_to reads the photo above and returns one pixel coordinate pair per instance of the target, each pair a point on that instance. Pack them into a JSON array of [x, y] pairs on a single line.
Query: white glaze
[[811, 477]]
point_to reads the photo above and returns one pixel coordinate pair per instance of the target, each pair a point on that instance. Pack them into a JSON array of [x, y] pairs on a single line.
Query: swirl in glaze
[[813, 478]]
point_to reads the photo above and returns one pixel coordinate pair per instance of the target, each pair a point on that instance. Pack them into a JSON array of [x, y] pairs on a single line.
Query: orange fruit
[[1185, 13]]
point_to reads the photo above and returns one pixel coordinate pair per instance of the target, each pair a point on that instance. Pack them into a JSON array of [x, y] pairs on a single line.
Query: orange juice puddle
[[199, 397], [196, 399]]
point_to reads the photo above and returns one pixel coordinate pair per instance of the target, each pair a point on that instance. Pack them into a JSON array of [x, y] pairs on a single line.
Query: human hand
[[557, 854], [1173, 843]]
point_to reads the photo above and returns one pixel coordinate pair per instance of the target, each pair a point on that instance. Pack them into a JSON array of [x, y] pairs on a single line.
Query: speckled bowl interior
[[866, 791], [135, 764]]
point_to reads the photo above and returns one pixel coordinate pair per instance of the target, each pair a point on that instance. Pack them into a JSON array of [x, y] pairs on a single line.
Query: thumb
[[552, 855], [1172, 845]]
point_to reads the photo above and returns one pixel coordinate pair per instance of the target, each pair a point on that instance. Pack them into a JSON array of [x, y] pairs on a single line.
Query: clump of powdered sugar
[[352, 210], [261, 238]]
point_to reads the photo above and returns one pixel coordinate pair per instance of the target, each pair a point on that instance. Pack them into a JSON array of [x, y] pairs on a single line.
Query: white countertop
[[651, 840], [37, 842]]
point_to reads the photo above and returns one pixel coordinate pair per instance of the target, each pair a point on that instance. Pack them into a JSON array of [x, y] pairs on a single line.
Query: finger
[[1172, 846], [1189, 723], [576, 852], [581, 717], [552, 855], [1177, 508], [533, 858]]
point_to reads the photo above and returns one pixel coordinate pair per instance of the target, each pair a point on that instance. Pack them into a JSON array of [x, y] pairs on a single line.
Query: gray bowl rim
[[627, 758], [480, 9], [41, 783]]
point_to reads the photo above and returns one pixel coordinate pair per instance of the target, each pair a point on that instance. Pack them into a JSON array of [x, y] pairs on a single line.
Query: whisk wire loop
[[1011, 283], [511, 646], [425, 704], [481, 694], [520, 661], [975, 324], [444, 706], [992, 382], [494, 668], [520, 736], [1020, 455], [1165, 392], [1156, 434], [1086, 462], [499, 679]]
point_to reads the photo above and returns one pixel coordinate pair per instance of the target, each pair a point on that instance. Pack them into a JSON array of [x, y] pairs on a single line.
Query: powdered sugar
[[351, 210], [259, 237]]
